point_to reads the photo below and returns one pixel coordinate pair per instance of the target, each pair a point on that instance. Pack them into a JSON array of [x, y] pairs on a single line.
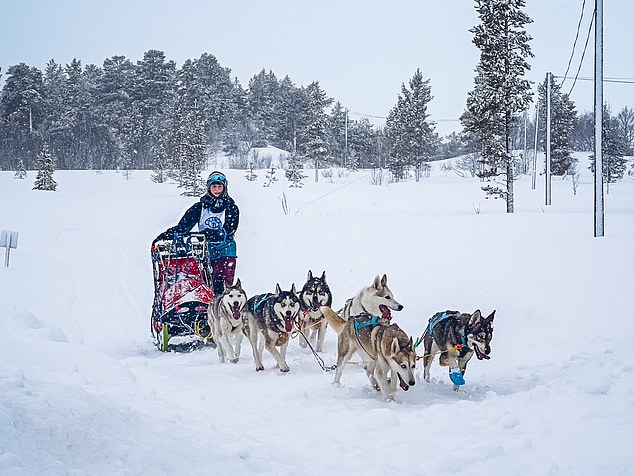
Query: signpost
[[8, 239]]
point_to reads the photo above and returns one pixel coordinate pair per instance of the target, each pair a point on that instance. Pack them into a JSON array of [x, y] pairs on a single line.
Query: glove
[[166, 235]]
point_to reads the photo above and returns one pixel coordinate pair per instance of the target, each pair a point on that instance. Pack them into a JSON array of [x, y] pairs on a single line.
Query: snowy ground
[[83, 390]]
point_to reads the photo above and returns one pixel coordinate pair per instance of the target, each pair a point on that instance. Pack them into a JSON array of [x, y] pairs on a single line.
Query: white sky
[[360, 51]]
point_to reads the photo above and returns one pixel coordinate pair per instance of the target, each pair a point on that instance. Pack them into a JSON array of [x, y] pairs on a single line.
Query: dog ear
[[377, 282], [323, 276], [491, 316], [395, 347], [238, 284], [293, 291], [475, 317], [310, 275], [384, 281], [278, 290]]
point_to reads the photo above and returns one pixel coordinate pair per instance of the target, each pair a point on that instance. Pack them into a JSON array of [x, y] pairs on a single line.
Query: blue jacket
[[220, 231]]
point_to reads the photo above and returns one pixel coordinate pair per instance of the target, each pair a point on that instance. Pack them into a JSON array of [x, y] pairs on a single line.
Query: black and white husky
[[311, 323], [456, 336], [268, 320], [225, 319], [376, 300]]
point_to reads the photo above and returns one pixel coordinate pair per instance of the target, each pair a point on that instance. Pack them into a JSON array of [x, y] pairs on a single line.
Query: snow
[[83, 390]]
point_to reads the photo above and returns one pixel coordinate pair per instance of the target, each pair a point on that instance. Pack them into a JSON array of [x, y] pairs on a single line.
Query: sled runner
[[182, 293]]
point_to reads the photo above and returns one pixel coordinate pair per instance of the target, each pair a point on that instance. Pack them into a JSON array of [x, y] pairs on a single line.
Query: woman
[[217, 217]]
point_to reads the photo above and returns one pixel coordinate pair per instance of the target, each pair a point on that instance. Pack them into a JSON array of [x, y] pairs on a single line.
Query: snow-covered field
[[83, 390]]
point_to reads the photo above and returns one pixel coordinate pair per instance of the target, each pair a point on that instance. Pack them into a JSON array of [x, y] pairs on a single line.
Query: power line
[[574, 45], [605, 80], [594, 14]]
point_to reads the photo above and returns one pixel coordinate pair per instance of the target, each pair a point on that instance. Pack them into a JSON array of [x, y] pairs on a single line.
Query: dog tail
[[334, 319]]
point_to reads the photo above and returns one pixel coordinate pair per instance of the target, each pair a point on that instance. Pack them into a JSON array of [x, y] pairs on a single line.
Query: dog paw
[[234, 360], [259, 368], [284, 369]]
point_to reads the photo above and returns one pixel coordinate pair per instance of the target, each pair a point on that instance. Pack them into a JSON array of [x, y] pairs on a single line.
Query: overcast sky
[[360, 51]]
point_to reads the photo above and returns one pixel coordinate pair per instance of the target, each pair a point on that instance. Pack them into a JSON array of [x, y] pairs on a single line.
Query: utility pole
[[598, 118], [534, 178], [345, 152], [549, 77]]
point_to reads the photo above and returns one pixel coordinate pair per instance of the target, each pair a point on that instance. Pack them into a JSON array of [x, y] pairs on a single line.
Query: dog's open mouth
[[236, 311], [402, 383], [288, 324], [385, 312], [479, 353]]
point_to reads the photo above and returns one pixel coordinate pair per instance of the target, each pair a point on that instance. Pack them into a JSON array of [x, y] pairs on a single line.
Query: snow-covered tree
[[45, 168], [294, 172], [411, 137], [500, 93], [614, 146], [314, 144], [21, 171], [562, 121]]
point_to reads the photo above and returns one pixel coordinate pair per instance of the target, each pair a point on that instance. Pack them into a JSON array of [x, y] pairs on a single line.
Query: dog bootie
[[456, 376]]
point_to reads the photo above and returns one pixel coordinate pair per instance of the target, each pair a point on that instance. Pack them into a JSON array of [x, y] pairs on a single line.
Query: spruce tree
[[314, 145], [614, 146], [411, 137], [501, 93], [294, 172], [45, 168], [562, 121]]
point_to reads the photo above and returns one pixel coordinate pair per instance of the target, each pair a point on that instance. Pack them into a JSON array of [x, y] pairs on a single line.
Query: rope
[[319, 360], [457, 347]]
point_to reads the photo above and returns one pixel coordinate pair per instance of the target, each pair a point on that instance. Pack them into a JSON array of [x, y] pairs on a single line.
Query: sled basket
[[182, 293]]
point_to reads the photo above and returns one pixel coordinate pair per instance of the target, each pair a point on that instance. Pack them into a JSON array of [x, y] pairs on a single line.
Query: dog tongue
[[236, 312], [385, 312], [288, 324]]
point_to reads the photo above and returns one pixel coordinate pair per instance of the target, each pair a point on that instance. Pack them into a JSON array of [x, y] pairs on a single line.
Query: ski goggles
[[216, 177]]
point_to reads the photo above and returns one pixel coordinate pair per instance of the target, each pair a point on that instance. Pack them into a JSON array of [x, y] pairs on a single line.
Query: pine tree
[[614, 146], [270, 177], [190, 150], [294, 173], [21, 171], [500, 93], [410, 135], [314, 146], [251, 175], [45, 168], [562, 120]]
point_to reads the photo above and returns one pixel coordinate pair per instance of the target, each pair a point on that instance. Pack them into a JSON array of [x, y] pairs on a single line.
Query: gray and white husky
[[225, 319], [376, 300], [456, 337], [268, 320], [315, 294], [387, 350]]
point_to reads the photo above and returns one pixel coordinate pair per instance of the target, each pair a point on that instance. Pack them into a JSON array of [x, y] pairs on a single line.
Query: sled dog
[[456, 337], [268, 319], [376, 300], [386, 348], [312, 297], [225, 319]]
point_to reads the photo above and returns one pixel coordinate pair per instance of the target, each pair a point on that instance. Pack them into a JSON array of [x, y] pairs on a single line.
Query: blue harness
[[360, 325]]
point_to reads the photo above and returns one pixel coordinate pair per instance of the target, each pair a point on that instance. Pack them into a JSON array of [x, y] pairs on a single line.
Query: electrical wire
[[594, 14], [574, 45]]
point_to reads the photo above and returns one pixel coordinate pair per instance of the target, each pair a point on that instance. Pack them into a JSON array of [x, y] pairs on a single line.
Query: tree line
[[153, 115]]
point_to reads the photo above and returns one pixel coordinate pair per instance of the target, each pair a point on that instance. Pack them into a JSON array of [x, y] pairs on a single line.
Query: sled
[[182, 293]]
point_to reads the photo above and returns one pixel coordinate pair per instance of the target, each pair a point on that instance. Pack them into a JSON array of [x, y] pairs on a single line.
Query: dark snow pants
[[224, 271]]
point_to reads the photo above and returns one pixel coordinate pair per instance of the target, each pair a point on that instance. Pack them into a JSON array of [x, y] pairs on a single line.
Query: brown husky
[[386, 347]]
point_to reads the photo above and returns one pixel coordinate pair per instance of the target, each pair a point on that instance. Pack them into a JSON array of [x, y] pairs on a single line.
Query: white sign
[[8, 239]]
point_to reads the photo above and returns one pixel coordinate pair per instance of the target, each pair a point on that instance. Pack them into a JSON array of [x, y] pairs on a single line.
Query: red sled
[[182, 293]]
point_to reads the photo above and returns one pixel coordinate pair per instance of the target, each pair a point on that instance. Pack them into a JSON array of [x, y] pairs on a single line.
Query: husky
[[386, 347], [268, 320], [225, 320], [376, 300], [312, 297], [456, 337]]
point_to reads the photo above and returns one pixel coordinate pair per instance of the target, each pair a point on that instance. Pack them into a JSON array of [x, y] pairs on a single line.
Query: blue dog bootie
[[456, 376]]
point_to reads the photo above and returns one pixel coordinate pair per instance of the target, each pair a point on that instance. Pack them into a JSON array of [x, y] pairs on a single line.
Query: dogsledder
[[182, 293]]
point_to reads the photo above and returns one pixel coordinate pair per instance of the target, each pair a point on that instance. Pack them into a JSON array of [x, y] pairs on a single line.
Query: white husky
[[376, 300], [225, 319]]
